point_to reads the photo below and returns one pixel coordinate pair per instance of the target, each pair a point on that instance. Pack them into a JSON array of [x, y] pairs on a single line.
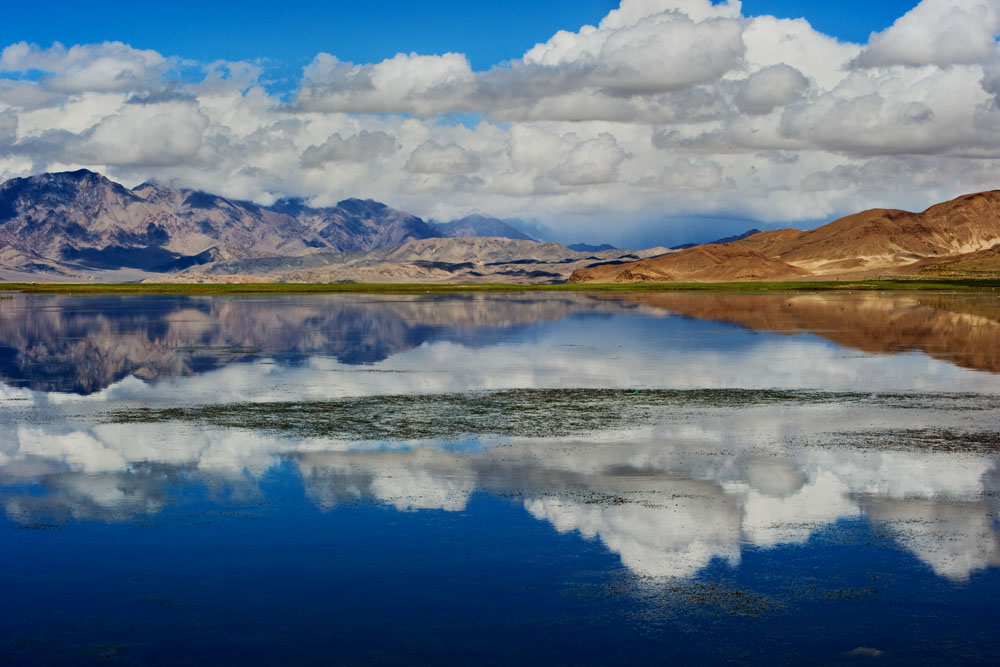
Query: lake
[[536, 478]]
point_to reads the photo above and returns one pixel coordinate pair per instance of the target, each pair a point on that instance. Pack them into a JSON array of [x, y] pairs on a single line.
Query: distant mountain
[[72, 222], [722, 241], [702, 263], [586, 247], [480, 225], [359, 225], [958, 238], [436, 260]]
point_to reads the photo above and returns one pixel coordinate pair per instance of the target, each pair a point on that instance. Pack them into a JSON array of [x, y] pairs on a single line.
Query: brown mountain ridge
[[958, 238]]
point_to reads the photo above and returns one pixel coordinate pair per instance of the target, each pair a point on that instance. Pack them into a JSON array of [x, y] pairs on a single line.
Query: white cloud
[[937, 32], [433, 158], [362, 147], [403, 84], [107, 67], [658, 53], [154, 135], [590, 162], [678, 106], [774, 86]]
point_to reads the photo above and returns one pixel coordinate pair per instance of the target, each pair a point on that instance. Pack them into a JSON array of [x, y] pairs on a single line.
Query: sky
[[641, 123]]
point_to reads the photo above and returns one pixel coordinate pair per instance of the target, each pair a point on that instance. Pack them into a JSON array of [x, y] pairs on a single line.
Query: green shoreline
[[473, 288]]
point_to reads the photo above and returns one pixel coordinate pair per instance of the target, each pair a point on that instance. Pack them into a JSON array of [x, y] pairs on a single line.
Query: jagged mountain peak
[[58, 188]]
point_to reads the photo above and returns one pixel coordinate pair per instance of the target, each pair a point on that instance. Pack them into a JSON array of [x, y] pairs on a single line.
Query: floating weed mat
[[924, 439], [520, 412]]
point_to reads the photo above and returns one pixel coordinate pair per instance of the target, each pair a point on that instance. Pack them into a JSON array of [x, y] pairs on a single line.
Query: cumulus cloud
[[591, 162], [902, 113], [107, 67], [771, 87], [662, 52], [403, 84], [658, 104], [171, 134], [361, 147], [433, 158], [937, 32]]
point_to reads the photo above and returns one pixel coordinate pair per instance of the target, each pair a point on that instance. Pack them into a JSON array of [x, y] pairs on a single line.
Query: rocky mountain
[[75, 223], [956, 238], [480, 225], [359, 225]]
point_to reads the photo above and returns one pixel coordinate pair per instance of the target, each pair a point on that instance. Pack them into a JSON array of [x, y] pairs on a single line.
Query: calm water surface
[[500, 479]]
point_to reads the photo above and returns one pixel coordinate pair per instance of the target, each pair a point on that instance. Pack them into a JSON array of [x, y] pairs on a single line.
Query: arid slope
[[961, 237]]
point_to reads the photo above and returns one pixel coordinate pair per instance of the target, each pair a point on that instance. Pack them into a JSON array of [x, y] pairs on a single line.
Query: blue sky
[[667, 122], [290, 33]]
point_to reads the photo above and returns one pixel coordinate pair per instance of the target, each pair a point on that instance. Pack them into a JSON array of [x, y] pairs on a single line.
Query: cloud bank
[[667, 109]]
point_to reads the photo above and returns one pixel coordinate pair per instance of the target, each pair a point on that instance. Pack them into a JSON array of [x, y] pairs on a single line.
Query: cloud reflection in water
[[694, 484]]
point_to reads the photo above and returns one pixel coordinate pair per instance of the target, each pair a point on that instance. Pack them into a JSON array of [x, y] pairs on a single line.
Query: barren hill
[[705, 263], [961, 237]]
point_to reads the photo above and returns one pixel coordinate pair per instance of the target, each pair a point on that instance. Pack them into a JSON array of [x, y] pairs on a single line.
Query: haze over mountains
[[80, 225]]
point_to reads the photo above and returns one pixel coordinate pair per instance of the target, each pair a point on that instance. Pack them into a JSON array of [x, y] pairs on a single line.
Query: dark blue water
[[830, 530]]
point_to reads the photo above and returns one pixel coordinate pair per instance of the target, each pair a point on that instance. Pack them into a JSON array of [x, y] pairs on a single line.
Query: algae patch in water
[[518, 412]]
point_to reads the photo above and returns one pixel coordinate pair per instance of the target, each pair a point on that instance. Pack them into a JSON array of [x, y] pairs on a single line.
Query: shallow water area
[[554, 478]]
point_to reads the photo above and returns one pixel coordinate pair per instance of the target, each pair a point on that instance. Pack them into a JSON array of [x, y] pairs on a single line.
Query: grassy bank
[[384, 288]]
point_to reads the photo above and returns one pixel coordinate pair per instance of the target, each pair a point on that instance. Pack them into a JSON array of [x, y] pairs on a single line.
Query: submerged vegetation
[[406, 288], [531, 413]]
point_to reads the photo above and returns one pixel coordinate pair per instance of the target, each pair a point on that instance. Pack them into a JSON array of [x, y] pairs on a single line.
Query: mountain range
[[62, 347], [66, 225], [64, 222], [79, 225]]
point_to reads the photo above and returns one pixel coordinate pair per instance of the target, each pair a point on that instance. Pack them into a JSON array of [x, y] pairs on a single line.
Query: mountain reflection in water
[[83, 345], [667, 441], [960, 328]]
